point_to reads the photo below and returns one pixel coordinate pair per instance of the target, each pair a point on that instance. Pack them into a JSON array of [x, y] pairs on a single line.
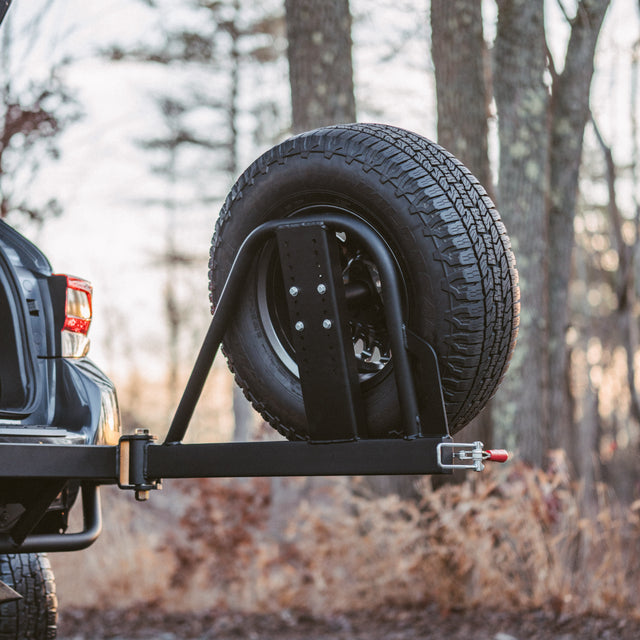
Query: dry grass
[[514, 539]]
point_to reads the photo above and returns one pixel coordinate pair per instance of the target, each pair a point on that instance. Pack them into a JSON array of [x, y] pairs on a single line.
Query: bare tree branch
[[625, 285]]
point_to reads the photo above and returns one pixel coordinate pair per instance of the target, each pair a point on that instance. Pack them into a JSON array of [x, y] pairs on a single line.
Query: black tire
[[458, 271], [35, 617]]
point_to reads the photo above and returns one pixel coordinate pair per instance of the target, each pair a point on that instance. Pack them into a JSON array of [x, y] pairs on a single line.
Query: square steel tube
[[280, 458]]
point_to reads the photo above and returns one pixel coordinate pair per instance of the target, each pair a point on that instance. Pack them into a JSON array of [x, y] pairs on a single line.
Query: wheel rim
[[365, 304]]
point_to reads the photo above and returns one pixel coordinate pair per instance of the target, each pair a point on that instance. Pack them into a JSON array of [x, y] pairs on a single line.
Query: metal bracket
[[433, 413], [132, 464], [465, 455], [320, 332], [7, 594]]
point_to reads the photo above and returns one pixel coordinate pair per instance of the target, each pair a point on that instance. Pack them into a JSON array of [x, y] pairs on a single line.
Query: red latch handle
[[497, 455]]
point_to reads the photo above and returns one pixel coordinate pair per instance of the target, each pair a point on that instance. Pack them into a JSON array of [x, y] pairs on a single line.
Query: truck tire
[[34, 617], [451, 248]]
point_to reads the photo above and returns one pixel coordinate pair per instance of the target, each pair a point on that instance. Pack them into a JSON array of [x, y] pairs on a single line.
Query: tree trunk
[[459, 56], [569, 114], [540, 153], [320, 66], [243, 416], [520, 416]]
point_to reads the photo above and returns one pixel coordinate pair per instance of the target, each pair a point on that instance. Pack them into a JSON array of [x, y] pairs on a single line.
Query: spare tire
[[453, 255], [35, 616]]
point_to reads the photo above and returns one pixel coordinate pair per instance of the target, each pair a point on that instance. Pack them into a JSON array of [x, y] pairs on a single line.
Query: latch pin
[[466, 455]]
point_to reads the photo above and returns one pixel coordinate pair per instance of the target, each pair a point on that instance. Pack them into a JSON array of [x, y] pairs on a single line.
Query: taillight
[[77, 317]]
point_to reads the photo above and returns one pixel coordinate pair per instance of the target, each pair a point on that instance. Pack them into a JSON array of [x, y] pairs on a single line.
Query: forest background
[[123, 128]]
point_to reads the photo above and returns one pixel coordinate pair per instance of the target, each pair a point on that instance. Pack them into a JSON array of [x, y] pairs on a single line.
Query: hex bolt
[[299, 325], [327, 324], [322, 289], [145, 432], [294, 291]]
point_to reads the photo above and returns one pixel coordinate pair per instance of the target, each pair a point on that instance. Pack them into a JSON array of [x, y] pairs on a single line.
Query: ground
[[391, 624]]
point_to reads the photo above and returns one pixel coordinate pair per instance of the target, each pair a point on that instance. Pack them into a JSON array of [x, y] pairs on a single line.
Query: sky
[[109, 233]]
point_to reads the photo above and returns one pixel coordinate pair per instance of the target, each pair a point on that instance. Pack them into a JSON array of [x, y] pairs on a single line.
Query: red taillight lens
[[77, 316]]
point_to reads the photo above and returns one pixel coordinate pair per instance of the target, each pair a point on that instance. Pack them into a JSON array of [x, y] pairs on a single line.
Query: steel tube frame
[[51, 542], [232, 291], [253, 459], [138, 464]]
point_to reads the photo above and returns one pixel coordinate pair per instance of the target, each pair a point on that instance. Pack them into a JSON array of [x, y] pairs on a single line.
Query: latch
[[132, 464], [466, 455]]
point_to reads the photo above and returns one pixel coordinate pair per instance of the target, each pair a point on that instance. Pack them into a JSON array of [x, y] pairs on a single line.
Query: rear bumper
[[40, 435]]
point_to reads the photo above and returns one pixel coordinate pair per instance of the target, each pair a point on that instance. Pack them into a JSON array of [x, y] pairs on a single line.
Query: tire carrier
[[337, 431]]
